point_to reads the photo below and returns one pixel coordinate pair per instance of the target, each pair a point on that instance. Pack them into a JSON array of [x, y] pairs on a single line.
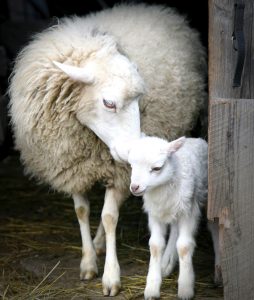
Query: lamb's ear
[[78, 74], [175, 145]]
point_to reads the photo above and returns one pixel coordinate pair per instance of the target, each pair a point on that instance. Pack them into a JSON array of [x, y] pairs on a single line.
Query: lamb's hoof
[[87, 275], [151, 294], [166, 271], [184, 296], [113, 291]]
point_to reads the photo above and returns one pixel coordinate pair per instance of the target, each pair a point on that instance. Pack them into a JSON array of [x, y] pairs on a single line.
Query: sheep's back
[[171, 60]]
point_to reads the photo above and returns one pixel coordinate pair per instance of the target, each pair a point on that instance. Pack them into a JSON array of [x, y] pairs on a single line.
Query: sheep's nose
[[134, 187]]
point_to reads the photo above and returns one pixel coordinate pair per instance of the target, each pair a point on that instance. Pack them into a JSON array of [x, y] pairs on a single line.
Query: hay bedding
[[40, 245]]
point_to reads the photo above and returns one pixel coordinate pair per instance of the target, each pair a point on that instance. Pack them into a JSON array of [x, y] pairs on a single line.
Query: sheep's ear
[[78, 74], [175, 145]]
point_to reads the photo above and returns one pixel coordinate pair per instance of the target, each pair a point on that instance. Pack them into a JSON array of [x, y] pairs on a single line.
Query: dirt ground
[[40, 245]]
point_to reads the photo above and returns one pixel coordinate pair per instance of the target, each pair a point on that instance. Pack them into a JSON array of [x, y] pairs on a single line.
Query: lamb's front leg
[[111, 277], [88, 266], [185, 248], [157, 244]]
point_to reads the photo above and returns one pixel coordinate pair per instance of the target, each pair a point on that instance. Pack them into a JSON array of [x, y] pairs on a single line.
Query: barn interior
[[40, 244]]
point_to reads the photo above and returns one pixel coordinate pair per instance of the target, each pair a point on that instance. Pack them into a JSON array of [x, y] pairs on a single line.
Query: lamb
[[172, 178], [83, 84]]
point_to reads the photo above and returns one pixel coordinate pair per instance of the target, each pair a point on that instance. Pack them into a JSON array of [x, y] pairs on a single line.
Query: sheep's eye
[[109, 104], [156, 169]]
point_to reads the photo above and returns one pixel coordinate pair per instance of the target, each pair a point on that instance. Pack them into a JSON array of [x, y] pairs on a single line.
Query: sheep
[[80, 86], [172, 178]]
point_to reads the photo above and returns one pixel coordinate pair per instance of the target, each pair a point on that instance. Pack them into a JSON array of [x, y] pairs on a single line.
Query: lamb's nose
[[134, 187]]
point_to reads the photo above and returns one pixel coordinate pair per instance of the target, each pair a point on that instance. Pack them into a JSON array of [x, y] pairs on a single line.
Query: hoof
[[88, 275], [185, 297], [113, 291], [151, 294]]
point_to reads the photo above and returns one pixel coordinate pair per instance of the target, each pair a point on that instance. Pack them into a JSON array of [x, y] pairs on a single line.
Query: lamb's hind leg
[[170, 255], [88, 266], [111, 277], [214, 229]]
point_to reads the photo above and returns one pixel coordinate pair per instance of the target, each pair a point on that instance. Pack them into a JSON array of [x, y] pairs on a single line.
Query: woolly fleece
[[54, 146]]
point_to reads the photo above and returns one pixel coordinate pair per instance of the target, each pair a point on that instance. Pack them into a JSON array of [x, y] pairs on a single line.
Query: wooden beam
[[231, 148], [223, 57]]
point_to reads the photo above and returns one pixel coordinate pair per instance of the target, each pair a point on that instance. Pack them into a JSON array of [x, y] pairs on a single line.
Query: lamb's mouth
[[139, 193]]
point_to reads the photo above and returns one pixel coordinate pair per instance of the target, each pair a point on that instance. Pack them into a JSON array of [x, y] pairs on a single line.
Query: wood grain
[[231, 191], [222, 56], [231, 148]]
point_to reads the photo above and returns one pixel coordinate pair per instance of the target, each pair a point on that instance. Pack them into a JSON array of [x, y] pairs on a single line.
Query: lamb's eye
[[156, 169], [109, 104]]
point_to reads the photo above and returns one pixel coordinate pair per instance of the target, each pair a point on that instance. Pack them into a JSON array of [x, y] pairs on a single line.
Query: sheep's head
[[152, 163], [109, 104]]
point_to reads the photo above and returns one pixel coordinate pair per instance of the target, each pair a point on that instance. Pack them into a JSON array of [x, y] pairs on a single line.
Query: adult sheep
[[94, 74]]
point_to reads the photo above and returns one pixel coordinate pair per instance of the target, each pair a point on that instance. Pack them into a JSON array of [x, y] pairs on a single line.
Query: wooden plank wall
[[231, 148]]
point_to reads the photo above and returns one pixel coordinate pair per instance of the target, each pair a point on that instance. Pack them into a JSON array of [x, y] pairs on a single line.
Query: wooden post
[[231, 148]]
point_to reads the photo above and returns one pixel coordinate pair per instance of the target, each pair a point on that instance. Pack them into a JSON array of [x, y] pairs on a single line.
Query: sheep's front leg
[[185, 248], [111, 277], [170, 256], [88, 266], [157, 244]]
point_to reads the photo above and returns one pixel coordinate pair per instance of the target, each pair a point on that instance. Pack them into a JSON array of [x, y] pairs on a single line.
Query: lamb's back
[[193, 160]]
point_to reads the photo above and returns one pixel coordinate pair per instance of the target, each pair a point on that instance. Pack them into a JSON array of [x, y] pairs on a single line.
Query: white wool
[[172, 177], [144, 60], [185, 183], [47, 109]]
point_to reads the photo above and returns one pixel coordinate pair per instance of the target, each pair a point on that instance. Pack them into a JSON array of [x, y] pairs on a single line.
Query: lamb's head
[[109, 105], [152, 162]]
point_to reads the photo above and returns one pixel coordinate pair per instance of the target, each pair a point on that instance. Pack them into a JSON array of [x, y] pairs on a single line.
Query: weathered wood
[[231, 148], [231, 192], [222, 56]]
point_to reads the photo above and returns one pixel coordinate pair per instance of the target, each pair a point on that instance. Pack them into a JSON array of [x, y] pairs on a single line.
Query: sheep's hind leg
[[99, 240], [88, 266], [111, 277]]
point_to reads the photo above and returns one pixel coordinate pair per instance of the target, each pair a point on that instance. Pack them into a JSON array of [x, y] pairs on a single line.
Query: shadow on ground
[[40, 245]]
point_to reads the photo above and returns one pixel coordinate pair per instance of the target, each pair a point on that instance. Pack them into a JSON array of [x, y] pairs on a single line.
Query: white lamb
[[172, 178], [105, 75]]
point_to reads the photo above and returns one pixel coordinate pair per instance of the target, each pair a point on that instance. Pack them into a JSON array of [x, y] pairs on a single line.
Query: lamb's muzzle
[[136, 191]]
